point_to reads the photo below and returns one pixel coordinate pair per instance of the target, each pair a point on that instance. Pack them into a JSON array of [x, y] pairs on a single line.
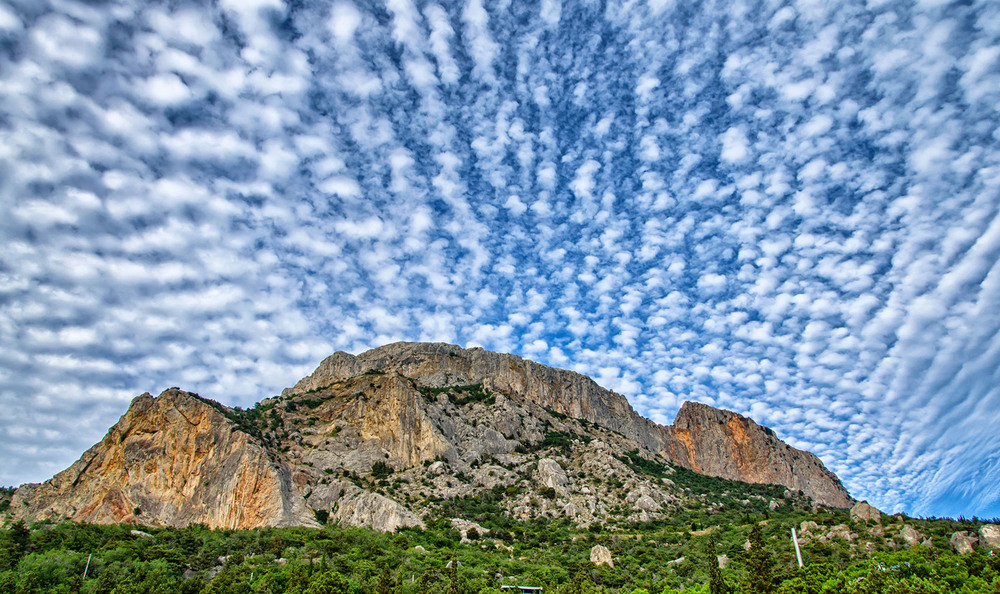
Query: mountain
[[385, 438]]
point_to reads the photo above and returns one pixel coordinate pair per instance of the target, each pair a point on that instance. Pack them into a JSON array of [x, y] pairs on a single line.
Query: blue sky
[[786, 210]]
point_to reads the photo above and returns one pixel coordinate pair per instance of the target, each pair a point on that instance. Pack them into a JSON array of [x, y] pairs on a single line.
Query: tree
[[759, 565], [716, 583], [328, 582]]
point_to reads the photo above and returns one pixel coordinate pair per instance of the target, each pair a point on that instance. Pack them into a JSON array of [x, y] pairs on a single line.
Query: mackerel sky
[[786, 210]]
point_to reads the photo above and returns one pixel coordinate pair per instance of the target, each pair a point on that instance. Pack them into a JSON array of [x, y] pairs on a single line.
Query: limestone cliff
[[722, 443], [704, 439], [380, 439], [171, 460]]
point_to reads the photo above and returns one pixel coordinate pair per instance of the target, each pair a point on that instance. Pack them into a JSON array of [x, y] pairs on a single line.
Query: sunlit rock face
[[373, 440], [171, 460]]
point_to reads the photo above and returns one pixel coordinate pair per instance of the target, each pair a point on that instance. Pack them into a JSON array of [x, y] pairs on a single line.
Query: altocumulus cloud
[[788, 210]]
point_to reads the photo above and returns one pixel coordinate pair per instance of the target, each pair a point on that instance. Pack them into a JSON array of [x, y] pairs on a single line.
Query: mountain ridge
[[444, 422]]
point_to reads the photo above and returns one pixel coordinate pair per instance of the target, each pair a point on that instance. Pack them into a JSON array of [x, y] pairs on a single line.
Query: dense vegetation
[[664, 556]]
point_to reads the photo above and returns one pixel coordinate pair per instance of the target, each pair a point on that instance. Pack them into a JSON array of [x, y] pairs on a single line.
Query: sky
[[789, 210]]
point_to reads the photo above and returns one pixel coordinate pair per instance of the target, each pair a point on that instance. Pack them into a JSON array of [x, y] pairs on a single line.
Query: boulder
[[600, 555], [647, 503], [963, 542], [989, 537], [723, 561], [862, 512], [551, 474], [374, 511], [909, 535]]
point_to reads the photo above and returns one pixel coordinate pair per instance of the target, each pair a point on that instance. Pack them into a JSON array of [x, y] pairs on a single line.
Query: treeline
[[552, 554]]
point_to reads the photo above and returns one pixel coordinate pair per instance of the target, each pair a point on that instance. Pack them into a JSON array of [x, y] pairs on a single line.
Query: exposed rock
[[704, 439], [647, 503], [140, 533], [722, 443], [374, 511], [551, 474], [773, 505], [428, 419], [989, 537], [909, 535], [862, 512], [677, 561], [963, 542], [419, 549], [176, 460], [841, 531], [600, 555]]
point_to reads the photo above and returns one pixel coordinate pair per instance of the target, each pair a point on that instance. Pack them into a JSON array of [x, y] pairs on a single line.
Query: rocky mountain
[[382, 439]]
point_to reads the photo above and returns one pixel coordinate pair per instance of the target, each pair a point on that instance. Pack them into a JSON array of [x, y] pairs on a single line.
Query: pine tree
[[716, 583], [759, 565]]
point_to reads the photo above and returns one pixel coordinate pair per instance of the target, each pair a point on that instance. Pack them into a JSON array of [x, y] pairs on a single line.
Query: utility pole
[[798, 553]]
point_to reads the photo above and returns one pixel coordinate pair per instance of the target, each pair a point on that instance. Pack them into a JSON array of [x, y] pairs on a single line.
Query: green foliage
[[322, 516], [759, 565], [381, 470], [461, 395], [544, 551]]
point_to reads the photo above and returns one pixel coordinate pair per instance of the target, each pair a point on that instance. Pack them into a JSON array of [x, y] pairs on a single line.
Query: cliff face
[[722, 443], [170, 460], [704, 439], [376, 439]]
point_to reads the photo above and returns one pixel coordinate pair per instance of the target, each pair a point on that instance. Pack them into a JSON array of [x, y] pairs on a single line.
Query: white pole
[[85, 569], [798, 553]]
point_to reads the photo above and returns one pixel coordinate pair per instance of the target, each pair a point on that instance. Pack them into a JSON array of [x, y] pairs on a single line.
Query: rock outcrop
[[989, 537], [910, 535], [963, 542], [171, 460], [600, 555], [862, 512]]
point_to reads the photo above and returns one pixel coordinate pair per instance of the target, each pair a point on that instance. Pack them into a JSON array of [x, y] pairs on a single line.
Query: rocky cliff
[[380, 439], [170, 460]]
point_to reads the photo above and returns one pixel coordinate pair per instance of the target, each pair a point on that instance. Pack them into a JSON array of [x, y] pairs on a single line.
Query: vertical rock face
[[438, 364], [171, 460], [722, 443], [704, 439]]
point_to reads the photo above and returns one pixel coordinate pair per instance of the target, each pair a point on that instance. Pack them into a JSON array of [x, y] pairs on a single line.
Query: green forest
[[676, 555]]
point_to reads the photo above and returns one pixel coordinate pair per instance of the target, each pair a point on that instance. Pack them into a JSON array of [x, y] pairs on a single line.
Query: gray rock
[[989, 537], [374, 511], [963, 542], [600, 555], [647, 503], [773, 505], [551, 474], [862, 512], [909, 535], [723, 561]]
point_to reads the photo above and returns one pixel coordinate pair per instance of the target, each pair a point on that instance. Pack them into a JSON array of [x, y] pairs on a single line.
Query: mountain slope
[[386, 438]]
